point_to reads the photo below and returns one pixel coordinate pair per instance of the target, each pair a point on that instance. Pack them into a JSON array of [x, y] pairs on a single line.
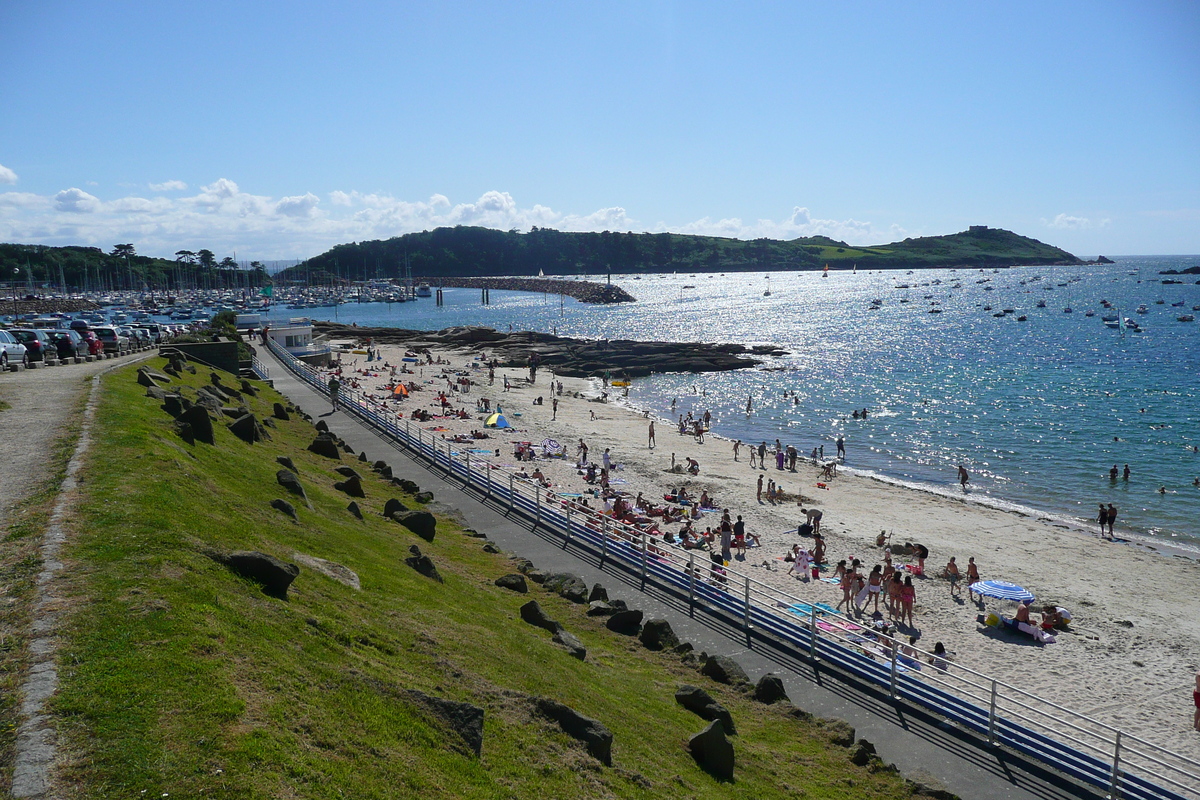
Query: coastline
[[1135, 642]]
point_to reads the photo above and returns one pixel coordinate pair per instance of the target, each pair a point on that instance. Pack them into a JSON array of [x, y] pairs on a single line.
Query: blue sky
[[275, 130]]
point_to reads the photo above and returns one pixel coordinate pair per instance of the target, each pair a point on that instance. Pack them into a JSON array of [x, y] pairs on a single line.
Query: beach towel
[[834, 581], [805, 610]]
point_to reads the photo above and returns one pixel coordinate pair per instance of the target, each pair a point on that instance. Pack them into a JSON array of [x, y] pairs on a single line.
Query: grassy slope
[[178, 677]]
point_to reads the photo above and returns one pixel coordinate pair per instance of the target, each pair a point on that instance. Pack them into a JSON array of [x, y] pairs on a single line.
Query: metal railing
[[260, 368], [1087, 749]]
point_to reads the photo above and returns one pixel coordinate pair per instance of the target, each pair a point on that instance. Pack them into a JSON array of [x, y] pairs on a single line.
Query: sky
[[277, 130]]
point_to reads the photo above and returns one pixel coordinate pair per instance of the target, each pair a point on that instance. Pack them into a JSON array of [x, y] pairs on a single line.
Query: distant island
[[467, 253], [478, 252]]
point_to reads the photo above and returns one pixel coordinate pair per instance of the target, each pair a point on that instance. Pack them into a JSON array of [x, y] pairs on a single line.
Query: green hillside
[[179, 678], [468, 252]]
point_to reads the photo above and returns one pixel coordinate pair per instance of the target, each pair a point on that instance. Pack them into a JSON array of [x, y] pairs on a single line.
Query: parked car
[[11, 351], [142, 335], [94, 346], [37, 343], [69, 343], [112, 340], [79, 325]]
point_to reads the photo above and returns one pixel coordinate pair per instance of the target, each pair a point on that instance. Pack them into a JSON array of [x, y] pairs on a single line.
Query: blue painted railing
[[1125, 765]]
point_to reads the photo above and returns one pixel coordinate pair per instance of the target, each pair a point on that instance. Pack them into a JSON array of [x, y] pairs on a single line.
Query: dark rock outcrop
[[326, 445], [286, 462], [285, 507], [724, 669], [347, 472], [422, 564], [573, 357], [422, 523], [273, 575], [247, 428], [200, 424], [532, 613], [627, 623], [713, 751], [513, 582], [289, 481], [656, 634], [279, 412], [393, 506], [595, 737], [351, 486], [354, 509], [769, 689], [574, 647], [862, 752], [598, 593], [701, 703], [567, 585], [423, 497]]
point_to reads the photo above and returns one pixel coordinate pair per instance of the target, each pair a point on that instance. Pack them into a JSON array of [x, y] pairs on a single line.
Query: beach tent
[[496, 420], [1002, 590]]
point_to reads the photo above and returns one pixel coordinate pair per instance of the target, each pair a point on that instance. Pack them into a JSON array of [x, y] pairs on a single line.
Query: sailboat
[[825, 273], [767, 293], [855, 270]]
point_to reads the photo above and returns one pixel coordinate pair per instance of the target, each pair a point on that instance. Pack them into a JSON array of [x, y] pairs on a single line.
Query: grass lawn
[[180, 678]]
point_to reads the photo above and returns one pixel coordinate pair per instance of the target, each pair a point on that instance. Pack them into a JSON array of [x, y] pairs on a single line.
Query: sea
[[1038, 410]]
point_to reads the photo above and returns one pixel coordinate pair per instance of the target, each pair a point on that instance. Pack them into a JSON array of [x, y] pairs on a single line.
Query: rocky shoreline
[[576, 358], [583, 291]]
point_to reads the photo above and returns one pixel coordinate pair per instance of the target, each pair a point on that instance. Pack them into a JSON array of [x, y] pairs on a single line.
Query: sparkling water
[[1037, 411]]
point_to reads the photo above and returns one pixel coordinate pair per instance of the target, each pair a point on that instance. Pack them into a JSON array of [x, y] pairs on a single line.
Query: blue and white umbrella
[[1002, 590]]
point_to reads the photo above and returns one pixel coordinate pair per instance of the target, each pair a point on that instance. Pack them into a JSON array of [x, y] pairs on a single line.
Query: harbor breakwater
[[583, 291]]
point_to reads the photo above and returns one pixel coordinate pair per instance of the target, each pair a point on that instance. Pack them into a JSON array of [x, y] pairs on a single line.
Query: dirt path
[[40, 403]]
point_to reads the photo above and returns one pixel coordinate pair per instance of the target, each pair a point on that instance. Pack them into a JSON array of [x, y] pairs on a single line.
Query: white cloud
[[1067, 222], [139, 205], [223, 218], [76, 201], [168, 186], [7, 175], [301, 206], [24, 200]]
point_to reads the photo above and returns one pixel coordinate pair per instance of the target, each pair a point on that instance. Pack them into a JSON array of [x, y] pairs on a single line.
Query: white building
[[296, 336]]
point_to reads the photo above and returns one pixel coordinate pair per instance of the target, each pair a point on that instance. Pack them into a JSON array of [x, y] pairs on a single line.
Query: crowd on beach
[[431, 390], [743, 508]]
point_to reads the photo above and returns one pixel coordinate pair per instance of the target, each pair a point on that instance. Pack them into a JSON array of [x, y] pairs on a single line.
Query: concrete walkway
[[924, 747]]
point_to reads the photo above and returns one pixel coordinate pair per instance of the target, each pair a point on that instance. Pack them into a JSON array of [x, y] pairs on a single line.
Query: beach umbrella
[[1002, 590], [551, 446], [496, 421]]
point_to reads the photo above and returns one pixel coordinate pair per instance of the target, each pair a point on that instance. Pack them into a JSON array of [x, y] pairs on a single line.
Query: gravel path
[[41, 401]]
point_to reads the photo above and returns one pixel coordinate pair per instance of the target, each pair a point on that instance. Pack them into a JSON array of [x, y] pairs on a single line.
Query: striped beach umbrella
[[1002, 590]]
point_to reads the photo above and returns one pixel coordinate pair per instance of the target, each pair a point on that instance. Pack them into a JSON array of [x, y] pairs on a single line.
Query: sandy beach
[[1131, 652]]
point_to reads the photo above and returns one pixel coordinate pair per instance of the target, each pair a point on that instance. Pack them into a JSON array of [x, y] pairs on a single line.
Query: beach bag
[[816, 572], [991, 620]]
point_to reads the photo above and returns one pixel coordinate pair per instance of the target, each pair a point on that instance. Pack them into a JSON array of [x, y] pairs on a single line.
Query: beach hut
[[496, 421]]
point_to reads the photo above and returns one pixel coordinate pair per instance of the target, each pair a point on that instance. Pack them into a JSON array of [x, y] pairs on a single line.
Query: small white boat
[[424, 291]]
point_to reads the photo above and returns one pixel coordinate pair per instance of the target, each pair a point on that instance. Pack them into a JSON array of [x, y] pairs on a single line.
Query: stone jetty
[[583, 291]]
